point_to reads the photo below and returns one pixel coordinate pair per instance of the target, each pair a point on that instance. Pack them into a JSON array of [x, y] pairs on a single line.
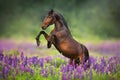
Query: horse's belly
[[70, 55], [69, 50]]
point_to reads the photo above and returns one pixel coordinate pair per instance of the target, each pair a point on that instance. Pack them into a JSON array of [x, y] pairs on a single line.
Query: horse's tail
[[86, 56], [86, 53]]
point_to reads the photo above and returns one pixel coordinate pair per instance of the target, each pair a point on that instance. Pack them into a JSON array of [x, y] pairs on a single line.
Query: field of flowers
[[16, 65]]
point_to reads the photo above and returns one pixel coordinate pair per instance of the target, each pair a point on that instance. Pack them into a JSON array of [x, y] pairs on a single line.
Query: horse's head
[[49, 19]]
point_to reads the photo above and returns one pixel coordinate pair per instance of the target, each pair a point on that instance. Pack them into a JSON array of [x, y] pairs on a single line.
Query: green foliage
[[86, 19], [117, 74]]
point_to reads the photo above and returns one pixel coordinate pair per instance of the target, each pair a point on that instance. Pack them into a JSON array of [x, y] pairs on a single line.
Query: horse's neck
[[60, 25]]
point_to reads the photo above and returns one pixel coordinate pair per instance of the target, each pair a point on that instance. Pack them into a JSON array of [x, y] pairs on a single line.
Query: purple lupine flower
[[35, 60], [55, 63], [69, 75], [48, 59], [64, 76], [92, 60], [71, 67], [86, 73], [91, 74], [44, 72], [67, 68], [5, 59], [24, 63], [27, 69], [107, 69], [101, 68], [89, 62], [41, 62], [16, 72], [51, 70], [96, 67], [5, 71], [22, 56], [113, 63], [10, 60], [78, 73], [30, 60], [103, 62], [79, 69], [85, 66], [32, 71], [64, 68], [1, 55], [21, 67], [14, 61]]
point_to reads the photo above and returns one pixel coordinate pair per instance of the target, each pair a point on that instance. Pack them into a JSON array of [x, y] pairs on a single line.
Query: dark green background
[[86, 18]]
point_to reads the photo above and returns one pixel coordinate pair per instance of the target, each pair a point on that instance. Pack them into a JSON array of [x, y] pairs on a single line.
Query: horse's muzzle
[[43, 28]]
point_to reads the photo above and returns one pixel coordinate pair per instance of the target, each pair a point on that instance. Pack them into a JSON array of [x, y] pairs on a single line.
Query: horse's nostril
[[42, 27]]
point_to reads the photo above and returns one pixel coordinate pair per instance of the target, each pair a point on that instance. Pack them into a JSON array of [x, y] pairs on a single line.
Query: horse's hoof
[[77, 61], [48, 44], [38, 43]]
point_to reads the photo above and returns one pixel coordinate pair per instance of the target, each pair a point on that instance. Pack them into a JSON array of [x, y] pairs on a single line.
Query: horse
[[62, 39]]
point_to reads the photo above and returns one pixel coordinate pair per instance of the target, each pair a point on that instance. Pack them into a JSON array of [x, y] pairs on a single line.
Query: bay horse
[[62, 39]]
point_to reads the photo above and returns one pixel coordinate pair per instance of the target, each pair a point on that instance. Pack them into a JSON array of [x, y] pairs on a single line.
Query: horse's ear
[[51, 11]]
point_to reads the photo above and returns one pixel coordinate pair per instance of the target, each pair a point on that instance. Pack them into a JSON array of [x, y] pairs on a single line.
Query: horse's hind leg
[[77, 61], [80, 59]]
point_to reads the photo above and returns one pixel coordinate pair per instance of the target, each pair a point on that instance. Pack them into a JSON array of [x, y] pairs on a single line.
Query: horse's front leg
[[47, 37], [37, 39]]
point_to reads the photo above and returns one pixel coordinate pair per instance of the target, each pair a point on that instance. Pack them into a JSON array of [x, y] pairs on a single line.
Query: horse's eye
[[49, 16]]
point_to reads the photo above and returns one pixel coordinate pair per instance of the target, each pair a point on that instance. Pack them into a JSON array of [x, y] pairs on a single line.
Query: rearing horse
[[62, 39]]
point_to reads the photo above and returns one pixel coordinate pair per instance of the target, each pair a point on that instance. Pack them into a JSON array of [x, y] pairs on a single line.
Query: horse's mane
[[63, 20]]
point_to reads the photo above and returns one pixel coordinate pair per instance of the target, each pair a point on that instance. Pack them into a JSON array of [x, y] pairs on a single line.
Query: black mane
[[63, 20]]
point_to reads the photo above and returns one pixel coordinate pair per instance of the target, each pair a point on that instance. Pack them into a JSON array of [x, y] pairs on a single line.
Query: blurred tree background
[[87, 19]]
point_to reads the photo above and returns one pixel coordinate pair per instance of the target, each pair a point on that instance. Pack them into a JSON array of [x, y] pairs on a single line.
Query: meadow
[[94, 23], [25, 61]]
